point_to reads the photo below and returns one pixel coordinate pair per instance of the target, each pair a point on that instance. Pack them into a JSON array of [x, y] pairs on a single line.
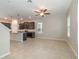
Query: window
[[68, 26], [39, 27]]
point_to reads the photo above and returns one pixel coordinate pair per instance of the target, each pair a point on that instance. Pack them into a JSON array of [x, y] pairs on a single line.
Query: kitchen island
[[22, 35]]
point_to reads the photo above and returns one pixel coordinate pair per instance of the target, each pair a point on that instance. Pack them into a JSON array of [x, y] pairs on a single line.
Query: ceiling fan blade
[[37, 15], [47, 13], [37, 11], [45, 10], [43, 15]]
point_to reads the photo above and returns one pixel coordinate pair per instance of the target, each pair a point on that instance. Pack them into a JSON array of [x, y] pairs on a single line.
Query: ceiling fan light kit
[[42, 14]]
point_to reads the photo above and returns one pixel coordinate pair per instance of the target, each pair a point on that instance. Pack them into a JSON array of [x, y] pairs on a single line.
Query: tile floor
[[40, 49]]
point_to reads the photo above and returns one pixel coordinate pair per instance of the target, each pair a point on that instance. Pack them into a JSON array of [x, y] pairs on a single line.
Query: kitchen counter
[[23, 30], [28, 30]]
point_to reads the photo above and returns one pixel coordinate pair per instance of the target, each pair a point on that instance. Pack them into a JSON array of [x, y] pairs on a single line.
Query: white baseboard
[[4, 55], [75, 53], [60, 39]]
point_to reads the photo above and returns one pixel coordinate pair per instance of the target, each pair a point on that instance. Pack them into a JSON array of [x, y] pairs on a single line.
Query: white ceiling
[[24, 9]]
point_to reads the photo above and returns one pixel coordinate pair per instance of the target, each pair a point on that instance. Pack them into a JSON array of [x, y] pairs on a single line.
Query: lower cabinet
[[24, 36], [28, 35]]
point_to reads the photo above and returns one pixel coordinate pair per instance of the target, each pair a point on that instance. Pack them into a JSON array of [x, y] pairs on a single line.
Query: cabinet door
[[31, 34], [31, 25], [25, 36]]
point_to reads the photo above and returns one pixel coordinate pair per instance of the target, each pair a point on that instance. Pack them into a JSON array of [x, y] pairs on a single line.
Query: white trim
[[6, 54], [73, 50], [60, 39]]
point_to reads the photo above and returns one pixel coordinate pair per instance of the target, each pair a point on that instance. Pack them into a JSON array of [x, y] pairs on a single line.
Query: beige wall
[[54, 26], [73, 27]]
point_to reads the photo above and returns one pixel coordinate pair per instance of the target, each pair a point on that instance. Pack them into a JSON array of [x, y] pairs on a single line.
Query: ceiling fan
[[42, 12]]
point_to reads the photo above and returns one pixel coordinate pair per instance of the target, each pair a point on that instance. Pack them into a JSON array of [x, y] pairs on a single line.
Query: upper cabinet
[[24, 25], [27, 25], [7, 25]]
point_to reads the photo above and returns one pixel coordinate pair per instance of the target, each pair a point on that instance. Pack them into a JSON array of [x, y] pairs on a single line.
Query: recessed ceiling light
[[30, 1], [30, 17], [5, 18], [21, 19]]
